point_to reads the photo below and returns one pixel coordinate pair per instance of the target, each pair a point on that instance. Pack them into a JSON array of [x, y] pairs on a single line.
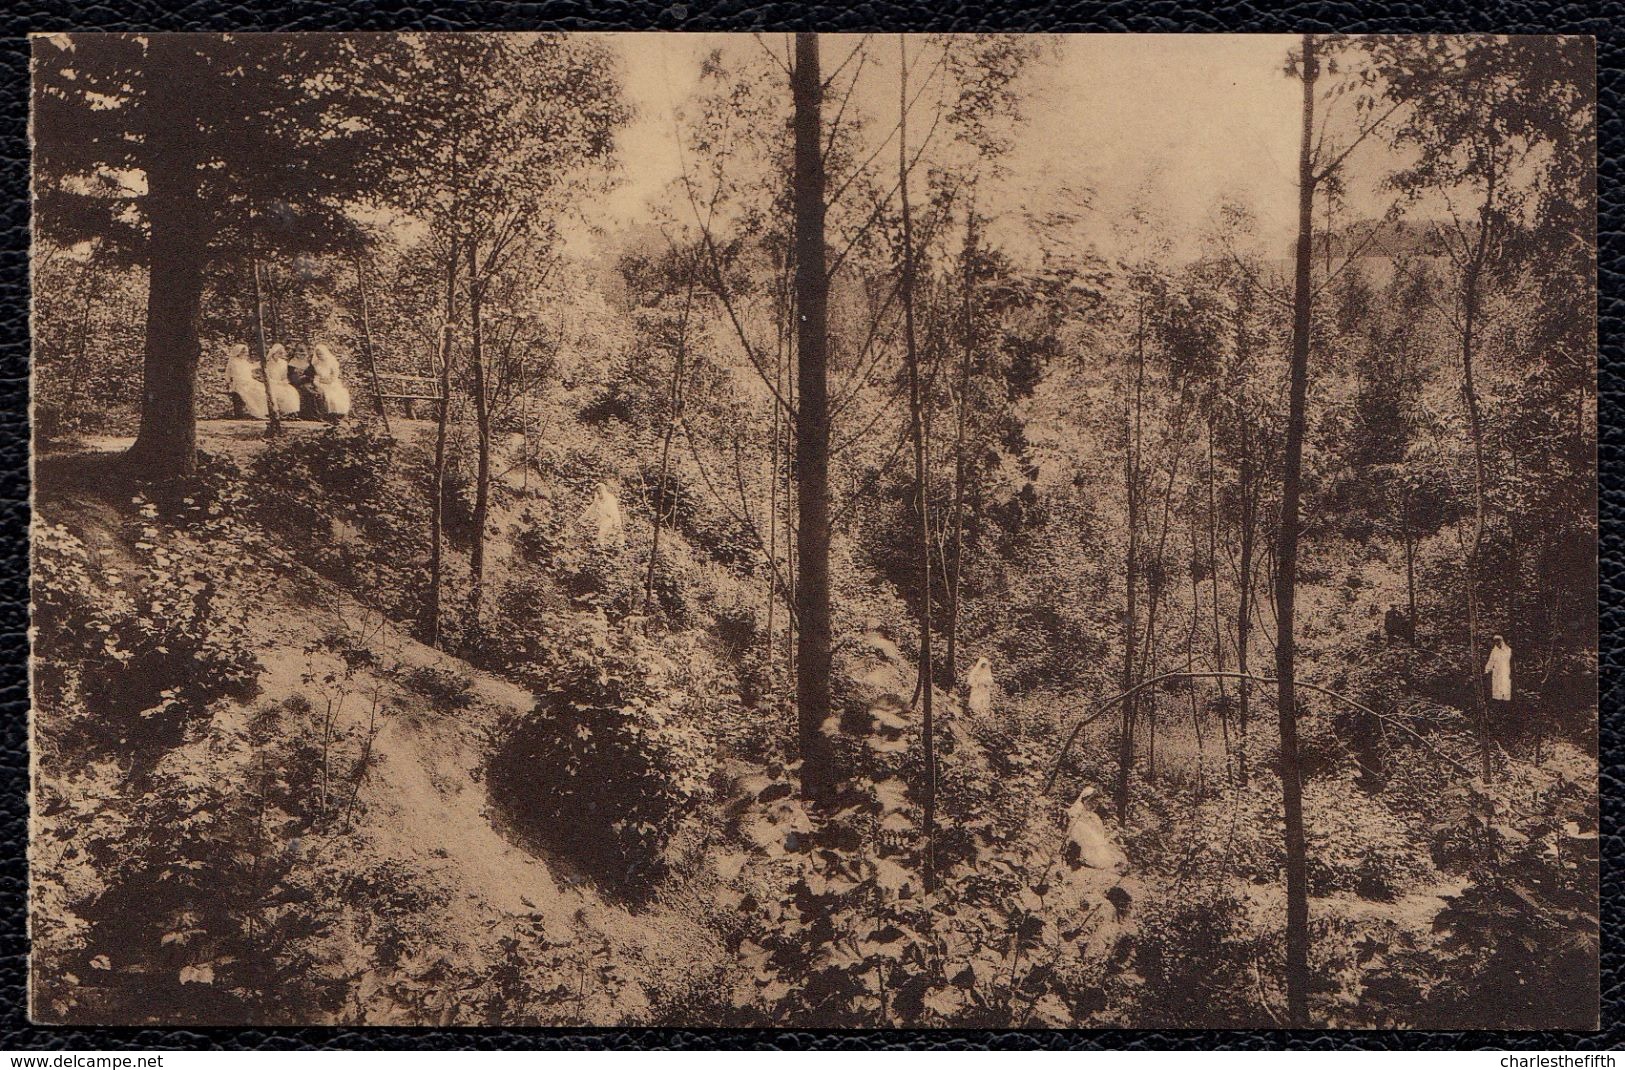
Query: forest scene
[[814, 530]]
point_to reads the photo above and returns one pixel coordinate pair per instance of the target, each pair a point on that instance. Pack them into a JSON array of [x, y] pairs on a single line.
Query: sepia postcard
[[808, 530]]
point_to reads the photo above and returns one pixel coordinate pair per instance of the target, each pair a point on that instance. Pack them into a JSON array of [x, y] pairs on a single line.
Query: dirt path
[[425, 801], [427, 807]]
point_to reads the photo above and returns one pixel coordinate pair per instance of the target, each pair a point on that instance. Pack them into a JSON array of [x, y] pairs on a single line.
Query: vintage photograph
[[835, 531]]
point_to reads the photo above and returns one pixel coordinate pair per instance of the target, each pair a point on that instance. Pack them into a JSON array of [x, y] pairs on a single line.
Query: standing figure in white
[[329, 381], [980, 682], [247, 392], [1499, 669]]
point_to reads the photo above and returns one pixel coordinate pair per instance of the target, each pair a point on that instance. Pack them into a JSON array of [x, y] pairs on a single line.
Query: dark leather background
[[1604, 18]]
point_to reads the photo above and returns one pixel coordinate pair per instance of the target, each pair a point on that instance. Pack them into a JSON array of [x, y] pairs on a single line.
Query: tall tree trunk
[[1472, 279], [961, 405], [812, 427], [916, 411], [1247, 522], [1190, 641], [674, 413], [1476, 547], [1410, 558], [273, 306], [1156, 594], [789, 496], [166, 446], [437, 486], [1213, 546], [366, 344], [89, 283], [1131, 480], [482, 443], [1244, 589], [273, 425], [773, 514], [1297, 888]]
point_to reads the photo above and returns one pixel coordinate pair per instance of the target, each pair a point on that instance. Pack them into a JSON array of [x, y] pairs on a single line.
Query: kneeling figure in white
[[603, 518], [980, 682]]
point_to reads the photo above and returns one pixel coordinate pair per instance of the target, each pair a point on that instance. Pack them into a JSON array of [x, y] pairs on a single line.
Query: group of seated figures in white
[[312, 388]]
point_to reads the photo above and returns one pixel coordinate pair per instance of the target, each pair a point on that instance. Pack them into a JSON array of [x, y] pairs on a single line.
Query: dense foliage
[[485, 711]]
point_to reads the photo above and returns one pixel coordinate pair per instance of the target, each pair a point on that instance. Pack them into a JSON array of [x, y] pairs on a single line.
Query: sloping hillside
[[422, 824], [260, 798]]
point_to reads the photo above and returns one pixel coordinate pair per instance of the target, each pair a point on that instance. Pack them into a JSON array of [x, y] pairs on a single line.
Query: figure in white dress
[[1499, 670], [980, 682], [603, 518], [283, 393], [329, 381], [247, 392]]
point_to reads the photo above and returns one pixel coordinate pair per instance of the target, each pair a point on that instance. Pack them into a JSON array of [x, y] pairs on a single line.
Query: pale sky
[[1210, 115], [1213, 113]]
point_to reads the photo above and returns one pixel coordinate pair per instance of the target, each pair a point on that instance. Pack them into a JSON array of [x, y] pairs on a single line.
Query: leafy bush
[[676, 580], [1197, 955], [515, 637], [205, 902], [830, 917], [138, 657], [600, 577], [1518, 946], [1034, 625], [353, 505], [540, 533], [448, 689], [608, 764], [1357, 844], [735, 624], [839, 930], [535, 980], [716, 532], [307, 479]]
